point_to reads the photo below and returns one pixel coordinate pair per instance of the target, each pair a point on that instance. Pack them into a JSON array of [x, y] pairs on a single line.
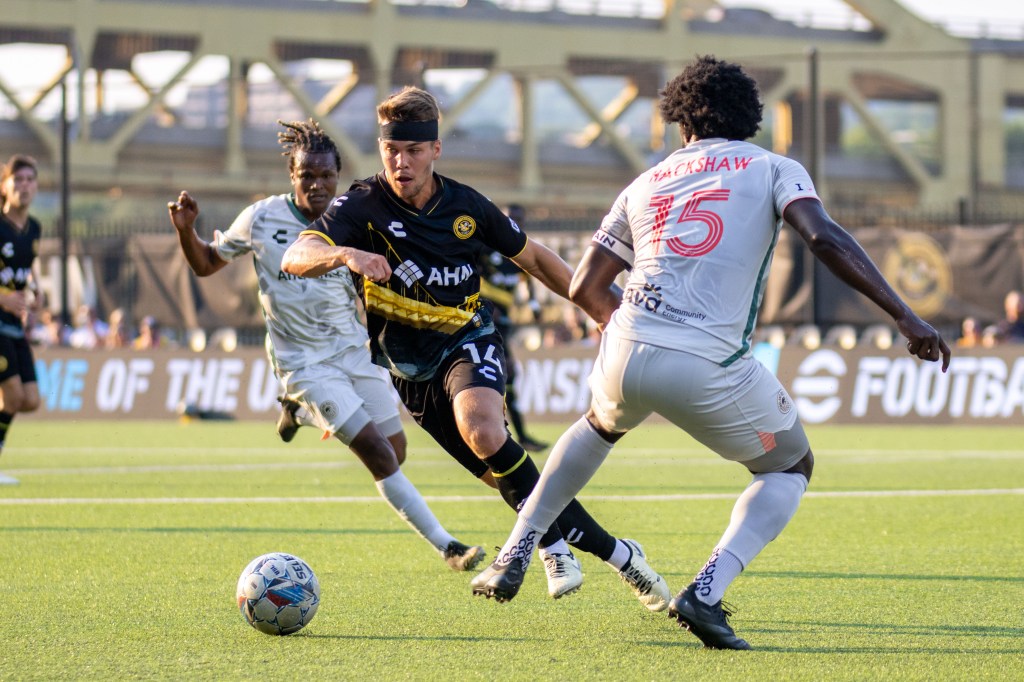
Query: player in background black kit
[[499, 280], [415, 237], [19, 246]]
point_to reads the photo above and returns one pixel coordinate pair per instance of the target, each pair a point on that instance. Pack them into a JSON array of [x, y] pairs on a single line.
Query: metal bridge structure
[[550, 103]]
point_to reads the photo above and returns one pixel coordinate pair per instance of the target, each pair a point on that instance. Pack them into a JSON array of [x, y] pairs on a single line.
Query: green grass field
[[124, 542]]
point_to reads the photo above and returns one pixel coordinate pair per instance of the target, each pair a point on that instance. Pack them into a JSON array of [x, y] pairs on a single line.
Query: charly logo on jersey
[[464, 227], [340, 200], [397, 228], [7, 250]]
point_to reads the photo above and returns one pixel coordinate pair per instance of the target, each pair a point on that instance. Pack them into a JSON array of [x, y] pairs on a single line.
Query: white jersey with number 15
[[699, 230]]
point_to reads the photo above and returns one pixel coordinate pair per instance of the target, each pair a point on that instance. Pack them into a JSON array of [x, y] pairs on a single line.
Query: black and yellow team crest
[[464, 227]]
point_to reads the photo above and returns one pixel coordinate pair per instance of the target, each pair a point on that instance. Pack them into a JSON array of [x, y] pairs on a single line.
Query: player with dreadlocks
[[315, 340]]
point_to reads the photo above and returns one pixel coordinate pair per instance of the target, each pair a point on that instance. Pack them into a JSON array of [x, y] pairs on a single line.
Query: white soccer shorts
[[742, 411], [336, 389]]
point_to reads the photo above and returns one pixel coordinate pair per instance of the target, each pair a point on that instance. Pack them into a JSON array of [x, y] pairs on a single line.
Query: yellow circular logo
[[919, 271], [464, 227]]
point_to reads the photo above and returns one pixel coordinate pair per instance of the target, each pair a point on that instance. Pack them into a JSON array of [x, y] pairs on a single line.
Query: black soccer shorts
[[476, 363]]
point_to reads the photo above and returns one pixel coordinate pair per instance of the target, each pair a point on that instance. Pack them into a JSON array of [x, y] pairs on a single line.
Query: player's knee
[[399, 444], [29, 404], [484, 437]]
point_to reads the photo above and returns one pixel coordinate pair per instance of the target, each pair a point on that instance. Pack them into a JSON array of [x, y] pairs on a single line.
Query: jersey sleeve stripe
[[320, 234]]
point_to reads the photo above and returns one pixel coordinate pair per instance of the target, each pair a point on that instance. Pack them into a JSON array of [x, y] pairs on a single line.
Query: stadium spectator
[[89, 331], [314, 340], [415, 238], [500, 279], [19, 235], [151, 335], [970, 333], [1011, 328], [44, 330], [117, 330], [697, 232]]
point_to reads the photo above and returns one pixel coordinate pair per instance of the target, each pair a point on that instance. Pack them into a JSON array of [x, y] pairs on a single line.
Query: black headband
[[409, 131]]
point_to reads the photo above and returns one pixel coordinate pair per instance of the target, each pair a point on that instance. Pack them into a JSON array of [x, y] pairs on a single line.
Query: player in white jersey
[[315, 341], [697, 232]]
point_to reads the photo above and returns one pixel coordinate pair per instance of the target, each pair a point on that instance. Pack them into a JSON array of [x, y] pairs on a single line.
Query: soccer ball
[[278, 593]]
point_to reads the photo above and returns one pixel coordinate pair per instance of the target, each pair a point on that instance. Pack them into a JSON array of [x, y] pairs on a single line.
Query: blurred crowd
[[88, 331]]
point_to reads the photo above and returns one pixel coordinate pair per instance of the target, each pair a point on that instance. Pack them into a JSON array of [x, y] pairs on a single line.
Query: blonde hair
[[409, 104]]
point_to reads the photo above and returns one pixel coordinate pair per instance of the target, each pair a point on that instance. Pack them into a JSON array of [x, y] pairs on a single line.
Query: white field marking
[[39, 501], [625, 456]]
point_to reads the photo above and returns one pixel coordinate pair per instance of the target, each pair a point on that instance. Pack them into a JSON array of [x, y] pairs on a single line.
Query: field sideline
[[904, 562]]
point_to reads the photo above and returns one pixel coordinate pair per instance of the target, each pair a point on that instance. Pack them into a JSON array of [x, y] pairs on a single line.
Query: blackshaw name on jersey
[[431, 303]]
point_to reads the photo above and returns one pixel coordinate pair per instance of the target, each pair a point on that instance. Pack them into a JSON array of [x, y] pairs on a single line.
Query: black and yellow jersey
[[18, 249], [431, 303]]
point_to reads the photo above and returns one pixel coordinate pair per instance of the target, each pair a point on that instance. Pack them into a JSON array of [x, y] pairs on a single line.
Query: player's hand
[[923, 341], [372, 266], [14, 302], [183, 212]]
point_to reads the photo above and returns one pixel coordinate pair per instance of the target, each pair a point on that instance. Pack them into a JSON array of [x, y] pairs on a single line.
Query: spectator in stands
[[117, 330], [44, 330], [151, 335], [970, 333], [1011, 328], [89, 331]]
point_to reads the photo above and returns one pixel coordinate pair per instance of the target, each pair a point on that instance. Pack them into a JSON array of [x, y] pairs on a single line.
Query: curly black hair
[[308, 137], [712, 98]]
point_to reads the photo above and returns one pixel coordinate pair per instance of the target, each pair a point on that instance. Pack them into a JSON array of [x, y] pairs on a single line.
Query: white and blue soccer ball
[[278, 593]]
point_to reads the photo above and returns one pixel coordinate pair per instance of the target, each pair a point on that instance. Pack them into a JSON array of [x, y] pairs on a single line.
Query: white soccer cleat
[[8, 480], [565, 575], [647, 585]]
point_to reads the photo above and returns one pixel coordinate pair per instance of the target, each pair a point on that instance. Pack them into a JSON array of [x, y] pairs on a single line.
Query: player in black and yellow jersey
[[415, 237], [19, 246]]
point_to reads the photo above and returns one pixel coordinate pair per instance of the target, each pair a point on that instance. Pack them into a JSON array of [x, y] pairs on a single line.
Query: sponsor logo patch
[[329, 409]]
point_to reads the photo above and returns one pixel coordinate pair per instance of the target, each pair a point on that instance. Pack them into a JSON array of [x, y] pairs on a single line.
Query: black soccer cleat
[[710, 623], [500, 581], [460, 557], [286, 424]]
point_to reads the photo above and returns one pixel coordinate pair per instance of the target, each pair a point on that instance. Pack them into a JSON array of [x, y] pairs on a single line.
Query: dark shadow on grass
[[418, 638], [186, 530], [815, 575], [799, 629]]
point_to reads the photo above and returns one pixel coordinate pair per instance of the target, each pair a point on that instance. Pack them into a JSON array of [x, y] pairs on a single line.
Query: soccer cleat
[[710, 623], [648, 586], [286, 424], [8, 480], [565, 575], [500, 581], [532, 445], [460, 557]]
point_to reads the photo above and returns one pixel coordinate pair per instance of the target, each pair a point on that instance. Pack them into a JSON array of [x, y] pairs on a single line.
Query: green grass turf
[[898, 586]]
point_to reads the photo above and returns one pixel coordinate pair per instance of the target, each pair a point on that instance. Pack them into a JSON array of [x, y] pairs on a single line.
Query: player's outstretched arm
[[311, 256], [202, 257], [848, 261], [591, 288], [545, 265]]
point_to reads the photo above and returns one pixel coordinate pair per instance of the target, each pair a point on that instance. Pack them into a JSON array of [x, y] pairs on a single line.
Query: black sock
[[512, 410], [516, 475], [584, 533], [5, 422]]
